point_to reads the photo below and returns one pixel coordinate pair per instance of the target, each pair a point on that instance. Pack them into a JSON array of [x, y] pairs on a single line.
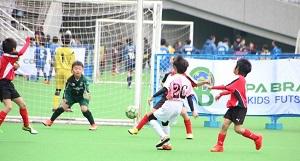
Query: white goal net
[[100, 31]]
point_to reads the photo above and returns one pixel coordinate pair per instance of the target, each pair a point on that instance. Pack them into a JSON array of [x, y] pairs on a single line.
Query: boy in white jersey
[[178, 88]]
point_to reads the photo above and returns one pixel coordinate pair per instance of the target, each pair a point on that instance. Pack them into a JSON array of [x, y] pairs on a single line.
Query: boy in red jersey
[[8, 93], [237, 106]]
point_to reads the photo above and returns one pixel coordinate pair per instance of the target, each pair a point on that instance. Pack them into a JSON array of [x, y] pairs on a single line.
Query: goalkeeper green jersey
[[75, 88]]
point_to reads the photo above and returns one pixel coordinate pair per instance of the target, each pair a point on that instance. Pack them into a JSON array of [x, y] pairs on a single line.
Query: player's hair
[[65, 39], [8, 45], [188, 42], [55, 39], [77, 63], [163, 42], [181, 64], [244, 66], [129, 41]]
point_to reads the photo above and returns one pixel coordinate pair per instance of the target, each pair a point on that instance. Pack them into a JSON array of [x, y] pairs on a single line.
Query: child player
[[178, 87], [8, 93], [64, 57], [40, 57], [237, 106], [187, 121], [76, 91]]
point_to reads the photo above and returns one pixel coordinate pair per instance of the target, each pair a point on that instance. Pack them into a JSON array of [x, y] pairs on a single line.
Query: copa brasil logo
[[205, 98]]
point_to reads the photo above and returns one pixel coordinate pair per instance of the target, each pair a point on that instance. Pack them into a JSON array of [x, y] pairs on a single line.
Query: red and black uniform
[[7, 73], [237, 103]]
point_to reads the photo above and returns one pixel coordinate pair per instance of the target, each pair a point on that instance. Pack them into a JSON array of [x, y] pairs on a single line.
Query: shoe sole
[[131, 133], [162, 143], [29, 131]]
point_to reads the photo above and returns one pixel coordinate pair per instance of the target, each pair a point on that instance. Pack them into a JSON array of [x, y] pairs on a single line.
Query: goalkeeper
[[76, 91], [64, 57]]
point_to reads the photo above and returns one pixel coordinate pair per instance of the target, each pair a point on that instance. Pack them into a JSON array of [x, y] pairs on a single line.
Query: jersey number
[[179, 91]]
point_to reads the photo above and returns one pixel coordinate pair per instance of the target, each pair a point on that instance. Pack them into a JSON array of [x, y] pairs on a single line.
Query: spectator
[[209, 46], [236, 43], [187, 49], [177, 46], [264, 52], [242, 46], [223, 46], [276, 50], [251, 49], [48, 41]]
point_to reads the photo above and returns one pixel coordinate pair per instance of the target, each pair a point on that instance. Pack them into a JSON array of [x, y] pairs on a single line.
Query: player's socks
[[2, 116], [37, 75], [248, 134], [56, 113], [129, 79], [87, 114], [24, 114], [221, 138], [55, 102], [188, 126], [143, 121], [166, 129], [157, 128], [256, 138]]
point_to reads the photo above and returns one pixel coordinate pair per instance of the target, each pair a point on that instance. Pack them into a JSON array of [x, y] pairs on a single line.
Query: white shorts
[[169, 111]]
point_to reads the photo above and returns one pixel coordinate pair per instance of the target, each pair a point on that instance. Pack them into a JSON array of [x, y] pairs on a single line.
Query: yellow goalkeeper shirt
[[64, 57]]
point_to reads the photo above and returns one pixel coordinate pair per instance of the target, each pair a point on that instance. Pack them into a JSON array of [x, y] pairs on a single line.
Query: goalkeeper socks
[[221, 138], [89, 116], [24, 113], [248, 134], [188, 126], [2, 116], [142, 122], [56, 113], [55, 102]]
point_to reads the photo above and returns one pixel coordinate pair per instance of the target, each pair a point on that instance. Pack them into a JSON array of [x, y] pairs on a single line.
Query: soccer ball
[[131, 112]]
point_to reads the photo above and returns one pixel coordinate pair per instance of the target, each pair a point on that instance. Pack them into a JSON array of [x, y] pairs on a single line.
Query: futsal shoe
[[165, 147], [163, 141], [258, 142], [30, 129], [93, 127], [133, 131], [217, 148], [189, 136], [47, 122]]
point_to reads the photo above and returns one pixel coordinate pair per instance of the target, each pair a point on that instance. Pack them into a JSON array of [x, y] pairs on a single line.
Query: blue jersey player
[[40, 57], [130, 60], [53, 47]]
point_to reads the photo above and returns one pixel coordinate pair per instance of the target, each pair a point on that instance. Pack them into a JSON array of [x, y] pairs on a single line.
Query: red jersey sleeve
[[27, 43]]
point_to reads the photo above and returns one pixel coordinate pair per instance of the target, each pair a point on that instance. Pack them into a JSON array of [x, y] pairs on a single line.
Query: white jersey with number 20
[[179, 87]]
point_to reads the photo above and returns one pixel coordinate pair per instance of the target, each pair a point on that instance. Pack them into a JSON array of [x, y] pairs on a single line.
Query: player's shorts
[[7, 90], [169, 111], [236, 114], [130, 64], [81, 101], [40, 64], [61, 77], [160, 102]]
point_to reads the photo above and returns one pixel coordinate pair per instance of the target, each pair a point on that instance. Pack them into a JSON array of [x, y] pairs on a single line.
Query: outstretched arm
[[27, 43]]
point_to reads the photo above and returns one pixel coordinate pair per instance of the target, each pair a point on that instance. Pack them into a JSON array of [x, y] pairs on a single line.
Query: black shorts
[[160, 102], [236, 114], [7, 90]]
